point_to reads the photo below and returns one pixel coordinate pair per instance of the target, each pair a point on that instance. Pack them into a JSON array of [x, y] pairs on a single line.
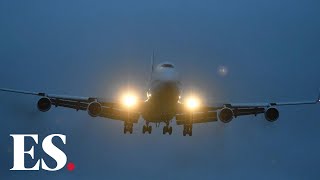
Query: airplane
[[162, 104]]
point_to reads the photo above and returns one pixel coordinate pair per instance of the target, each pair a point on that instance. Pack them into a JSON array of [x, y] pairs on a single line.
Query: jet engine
[[94, 109], [225, 115], [271, 114], [44, 104]]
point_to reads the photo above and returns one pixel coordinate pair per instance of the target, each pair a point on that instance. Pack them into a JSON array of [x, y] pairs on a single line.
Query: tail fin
[[152, 62], [152, 66]]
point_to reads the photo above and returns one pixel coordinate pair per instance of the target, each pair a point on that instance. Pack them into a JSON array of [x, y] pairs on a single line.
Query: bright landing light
[[192, 103], [129, 100]]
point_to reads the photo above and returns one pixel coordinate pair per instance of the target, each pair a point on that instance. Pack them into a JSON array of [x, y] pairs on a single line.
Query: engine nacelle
[[225, 115], [44, 104], [271, 114], [94, 109]]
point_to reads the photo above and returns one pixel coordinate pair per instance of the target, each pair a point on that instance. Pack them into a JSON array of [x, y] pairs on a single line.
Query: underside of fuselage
[[162, 104]]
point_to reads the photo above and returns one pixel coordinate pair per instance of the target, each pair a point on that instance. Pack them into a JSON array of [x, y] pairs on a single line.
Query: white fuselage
[[163, 95]]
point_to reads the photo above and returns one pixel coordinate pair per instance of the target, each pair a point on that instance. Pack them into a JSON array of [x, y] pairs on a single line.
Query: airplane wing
[[227, 111], [96, 107]]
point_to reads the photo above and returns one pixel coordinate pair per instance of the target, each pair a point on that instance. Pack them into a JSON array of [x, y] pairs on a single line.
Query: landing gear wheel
[[170, 130], [164, 131], [187, 130], [167, 129], [146, 129], [150, 129], [128, 127]]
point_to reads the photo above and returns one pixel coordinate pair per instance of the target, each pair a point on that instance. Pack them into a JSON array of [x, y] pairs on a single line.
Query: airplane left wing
[[227, 111], [96, 107]]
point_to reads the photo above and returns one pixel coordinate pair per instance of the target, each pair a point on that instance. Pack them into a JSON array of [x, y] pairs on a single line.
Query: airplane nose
[[169, 77]]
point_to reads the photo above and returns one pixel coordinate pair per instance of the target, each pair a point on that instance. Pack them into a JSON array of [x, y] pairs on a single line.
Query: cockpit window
[[167, 65]]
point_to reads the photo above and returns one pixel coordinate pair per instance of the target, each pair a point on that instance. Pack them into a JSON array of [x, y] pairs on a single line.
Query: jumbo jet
[[162, 104]]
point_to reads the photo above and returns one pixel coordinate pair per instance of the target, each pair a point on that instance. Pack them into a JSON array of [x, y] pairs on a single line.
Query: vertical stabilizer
[[152, 62], [152, 66]]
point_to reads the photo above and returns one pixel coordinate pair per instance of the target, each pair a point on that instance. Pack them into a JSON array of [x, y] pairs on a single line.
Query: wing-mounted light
[[129, 100], [192, 103]]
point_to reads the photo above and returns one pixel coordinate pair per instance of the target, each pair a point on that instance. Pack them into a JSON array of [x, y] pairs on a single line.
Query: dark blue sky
[[95, 48]]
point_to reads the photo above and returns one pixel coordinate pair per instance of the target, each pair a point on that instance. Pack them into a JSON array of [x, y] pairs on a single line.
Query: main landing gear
[[167, 129], [187, 129], [146, 128], [128, 127]]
